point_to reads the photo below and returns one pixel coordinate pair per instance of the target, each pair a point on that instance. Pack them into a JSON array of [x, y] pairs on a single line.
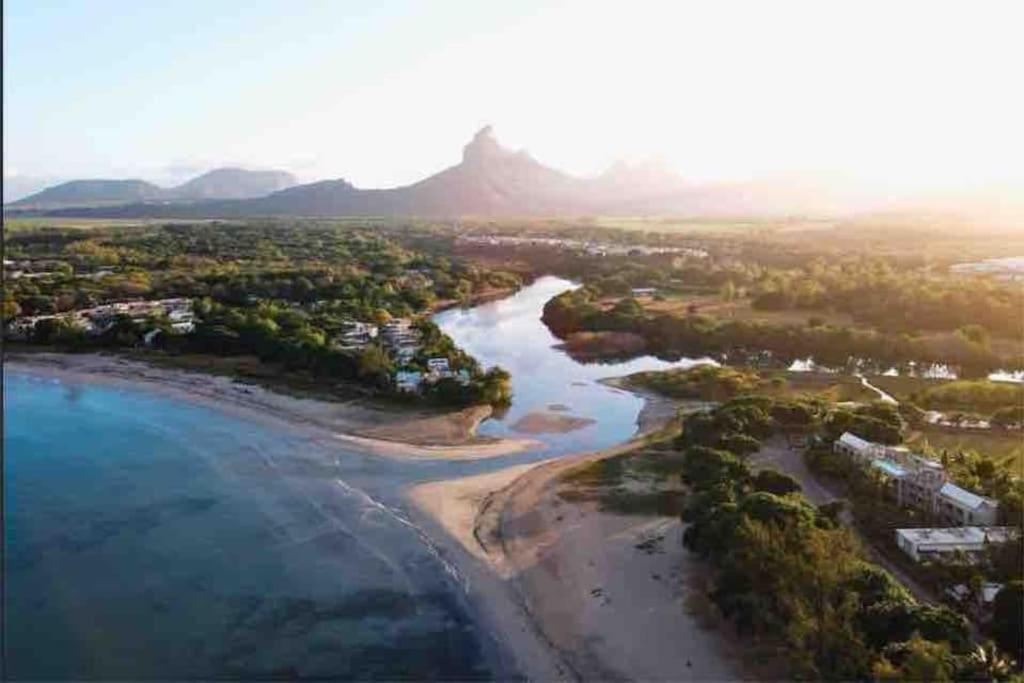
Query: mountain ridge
[[490, 180], [219, 183]]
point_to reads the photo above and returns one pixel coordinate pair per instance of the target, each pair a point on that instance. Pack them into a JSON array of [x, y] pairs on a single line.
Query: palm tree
[[987, 662]]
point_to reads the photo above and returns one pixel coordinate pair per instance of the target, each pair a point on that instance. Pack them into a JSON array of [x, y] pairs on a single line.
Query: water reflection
[[510, 333]]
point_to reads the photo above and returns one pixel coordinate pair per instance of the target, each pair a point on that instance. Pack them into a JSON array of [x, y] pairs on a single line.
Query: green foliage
[[775, 482], [280, 290], [1008, 619], [972, 395], [702, 382], [788, 570]]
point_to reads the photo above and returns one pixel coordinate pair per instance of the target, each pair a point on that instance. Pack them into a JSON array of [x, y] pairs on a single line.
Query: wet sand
[[397, 432], [614, 597]]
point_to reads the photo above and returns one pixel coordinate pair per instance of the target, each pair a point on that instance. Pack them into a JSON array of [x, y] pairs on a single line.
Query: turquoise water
[[149, 537]]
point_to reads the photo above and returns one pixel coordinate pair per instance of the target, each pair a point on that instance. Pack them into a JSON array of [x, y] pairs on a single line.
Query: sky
[[907, 94]]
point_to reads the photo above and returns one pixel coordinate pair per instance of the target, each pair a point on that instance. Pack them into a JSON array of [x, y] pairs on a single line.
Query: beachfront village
[[359, 326], [398, 337]]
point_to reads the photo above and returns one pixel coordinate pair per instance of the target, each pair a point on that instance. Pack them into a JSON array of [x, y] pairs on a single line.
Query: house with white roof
[[438, 365], [923, 544], [960, 506], [408, 381], [853, 445]]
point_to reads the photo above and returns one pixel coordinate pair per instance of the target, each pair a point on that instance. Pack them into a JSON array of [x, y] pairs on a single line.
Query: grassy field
[[740, 309], [1006, 448], [707, 383], [710, 225]]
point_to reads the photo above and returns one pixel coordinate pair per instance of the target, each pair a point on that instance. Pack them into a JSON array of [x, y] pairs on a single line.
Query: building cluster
[[30, 270], [921, 483], [590, 247], [401, 339], [356, 335], [403, 342], [412, 381], [97, 320]]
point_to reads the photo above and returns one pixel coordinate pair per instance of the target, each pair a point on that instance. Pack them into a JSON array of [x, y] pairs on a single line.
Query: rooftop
[[854, 441], [889, 467], [964, 497], [958, 535]]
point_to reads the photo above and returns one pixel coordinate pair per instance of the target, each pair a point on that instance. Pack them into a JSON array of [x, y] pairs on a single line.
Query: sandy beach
[[397, 432], [589, 582], [563, 587]]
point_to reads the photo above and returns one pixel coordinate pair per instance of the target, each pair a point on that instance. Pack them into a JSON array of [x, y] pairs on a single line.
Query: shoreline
[[476, 520], [352, 423], [557, 565]]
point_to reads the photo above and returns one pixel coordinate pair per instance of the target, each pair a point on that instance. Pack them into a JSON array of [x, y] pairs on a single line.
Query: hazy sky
[[382, 93]]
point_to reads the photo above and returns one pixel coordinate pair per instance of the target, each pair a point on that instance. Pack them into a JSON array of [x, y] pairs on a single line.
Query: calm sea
[[151, 538]]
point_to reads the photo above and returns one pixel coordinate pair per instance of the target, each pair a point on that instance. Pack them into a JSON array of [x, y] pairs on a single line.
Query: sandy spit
[[405, 433]]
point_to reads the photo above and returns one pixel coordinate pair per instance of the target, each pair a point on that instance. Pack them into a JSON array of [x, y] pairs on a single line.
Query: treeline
[[278, 291], [789, 572], [351, 270], [675, 335]]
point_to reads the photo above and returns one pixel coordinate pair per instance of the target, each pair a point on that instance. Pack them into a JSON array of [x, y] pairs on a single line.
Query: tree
[[975, 334], [918, 660], [775, 482], [496, 387], [1008, 620], [374, 363]]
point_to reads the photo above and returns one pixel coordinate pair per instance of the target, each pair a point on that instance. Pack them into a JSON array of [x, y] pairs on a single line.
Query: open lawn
[[1005, 447], [740, 309], [709, 383]]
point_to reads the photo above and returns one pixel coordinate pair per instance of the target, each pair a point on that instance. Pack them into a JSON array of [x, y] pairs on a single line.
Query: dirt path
[[776, 453]]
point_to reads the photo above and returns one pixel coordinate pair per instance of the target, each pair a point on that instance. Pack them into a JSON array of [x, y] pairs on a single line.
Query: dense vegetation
[[707, 382], [762, 292], [277, 290], [690, 333], [788, 570]]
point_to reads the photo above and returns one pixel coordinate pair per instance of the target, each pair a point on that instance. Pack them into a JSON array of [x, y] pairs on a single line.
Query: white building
[[438, 365], [959, 506], [922, 544], [408, 381], [919, 482]]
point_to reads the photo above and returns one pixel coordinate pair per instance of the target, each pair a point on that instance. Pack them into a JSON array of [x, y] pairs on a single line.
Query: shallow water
[[147, 537]]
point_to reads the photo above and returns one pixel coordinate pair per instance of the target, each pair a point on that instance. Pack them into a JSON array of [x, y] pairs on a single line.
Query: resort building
[[438, 365], [401, 339], [356, 334], [97, 320], [408, 381], [959, 506], [922, 544], [918, 482]]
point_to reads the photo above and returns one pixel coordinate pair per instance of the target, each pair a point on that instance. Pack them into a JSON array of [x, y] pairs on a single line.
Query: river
[[150, 537], [509, 333]]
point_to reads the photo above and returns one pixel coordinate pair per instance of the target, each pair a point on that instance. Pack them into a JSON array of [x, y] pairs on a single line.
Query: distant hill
[[92, 193], [490, 180], [221, 183], [232, 183]]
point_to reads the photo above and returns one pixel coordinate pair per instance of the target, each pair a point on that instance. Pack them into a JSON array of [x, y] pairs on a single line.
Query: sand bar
[[389, 431]]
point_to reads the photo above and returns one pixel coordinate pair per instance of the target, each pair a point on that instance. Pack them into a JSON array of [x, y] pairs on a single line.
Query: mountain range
[[221, 183], [490, 180]]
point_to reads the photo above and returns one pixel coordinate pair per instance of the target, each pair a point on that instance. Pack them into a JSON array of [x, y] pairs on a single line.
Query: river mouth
[[509, 332]]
